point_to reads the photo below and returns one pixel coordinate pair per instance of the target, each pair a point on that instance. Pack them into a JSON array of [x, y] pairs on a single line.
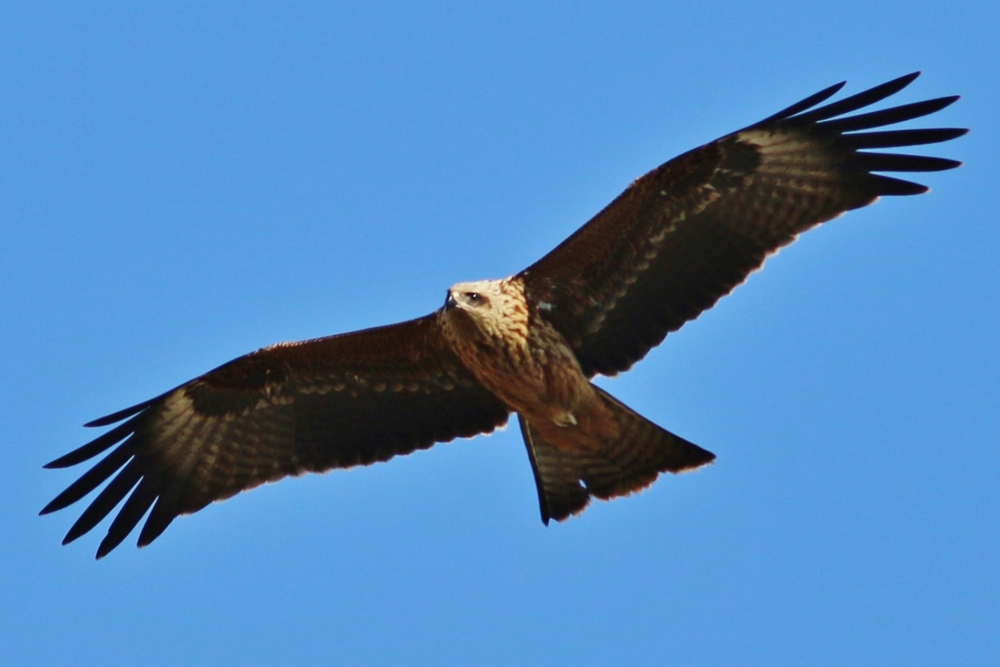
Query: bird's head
[[493, 307], [480, 300]]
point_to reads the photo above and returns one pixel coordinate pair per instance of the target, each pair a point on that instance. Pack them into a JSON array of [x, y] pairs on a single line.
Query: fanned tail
[[566, 480]]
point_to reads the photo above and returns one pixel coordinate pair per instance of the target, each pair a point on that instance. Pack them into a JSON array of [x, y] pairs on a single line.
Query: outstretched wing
[[328, 403], [688, 232]]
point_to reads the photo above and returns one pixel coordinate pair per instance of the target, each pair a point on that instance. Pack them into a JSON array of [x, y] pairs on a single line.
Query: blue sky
[[180, 185]]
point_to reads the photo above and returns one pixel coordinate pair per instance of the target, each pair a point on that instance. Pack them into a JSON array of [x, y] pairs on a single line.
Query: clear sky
[[181, 185]]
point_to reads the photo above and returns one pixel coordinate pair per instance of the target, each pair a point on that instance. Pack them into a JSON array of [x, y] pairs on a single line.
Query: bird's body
[[521, 358], [574, 431], [673, 243]]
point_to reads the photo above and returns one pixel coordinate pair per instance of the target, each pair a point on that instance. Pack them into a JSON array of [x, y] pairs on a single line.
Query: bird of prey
[[673, 243]]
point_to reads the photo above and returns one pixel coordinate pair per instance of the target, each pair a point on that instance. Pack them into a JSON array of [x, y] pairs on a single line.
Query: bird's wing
[[688, 232], [328, 403]]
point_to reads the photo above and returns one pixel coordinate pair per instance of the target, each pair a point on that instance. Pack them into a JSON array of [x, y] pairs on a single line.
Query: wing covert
[[685, 234], [334, 402]]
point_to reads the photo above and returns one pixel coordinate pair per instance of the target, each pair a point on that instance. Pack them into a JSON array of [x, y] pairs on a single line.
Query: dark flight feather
[[688, 232], [898, 114], [96, 446], [859, 100], [807, 103], [897, 138]]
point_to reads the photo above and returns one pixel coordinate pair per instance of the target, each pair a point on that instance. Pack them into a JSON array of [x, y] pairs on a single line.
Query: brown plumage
[[666, 249]]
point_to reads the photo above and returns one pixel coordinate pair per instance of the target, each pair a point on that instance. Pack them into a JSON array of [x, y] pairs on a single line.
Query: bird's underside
[[678, 239]]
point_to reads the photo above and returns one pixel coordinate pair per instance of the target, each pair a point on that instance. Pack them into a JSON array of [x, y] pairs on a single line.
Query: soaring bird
[[673, 243]]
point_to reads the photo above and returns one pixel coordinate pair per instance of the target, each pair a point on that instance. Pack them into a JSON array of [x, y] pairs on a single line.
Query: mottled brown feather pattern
[[666, 249], [335, 402], [685, 234], [581, 441]]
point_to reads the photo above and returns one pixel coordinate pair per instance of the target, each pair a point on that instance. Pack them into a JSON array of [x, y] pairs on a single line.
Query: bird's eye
[[475, 298]]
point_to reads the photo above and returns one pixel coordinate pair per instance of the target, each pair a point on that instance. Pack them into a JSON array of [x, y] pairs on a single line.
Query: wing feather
[[686, 233], [329, 403]]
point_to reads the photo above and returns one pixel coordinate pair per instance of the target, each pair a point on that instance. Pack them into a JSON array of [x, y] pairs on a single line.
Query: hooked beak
[[450, 301]]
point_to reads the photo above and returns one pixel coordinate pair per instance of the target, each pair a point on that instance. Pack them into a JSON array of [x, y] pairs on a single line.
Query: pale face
[[481, 299], [494, 308]]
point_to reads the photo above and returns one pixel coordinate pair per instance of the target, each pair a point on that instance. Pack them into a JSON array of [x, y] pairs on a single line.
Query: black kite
[[666, 249]]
